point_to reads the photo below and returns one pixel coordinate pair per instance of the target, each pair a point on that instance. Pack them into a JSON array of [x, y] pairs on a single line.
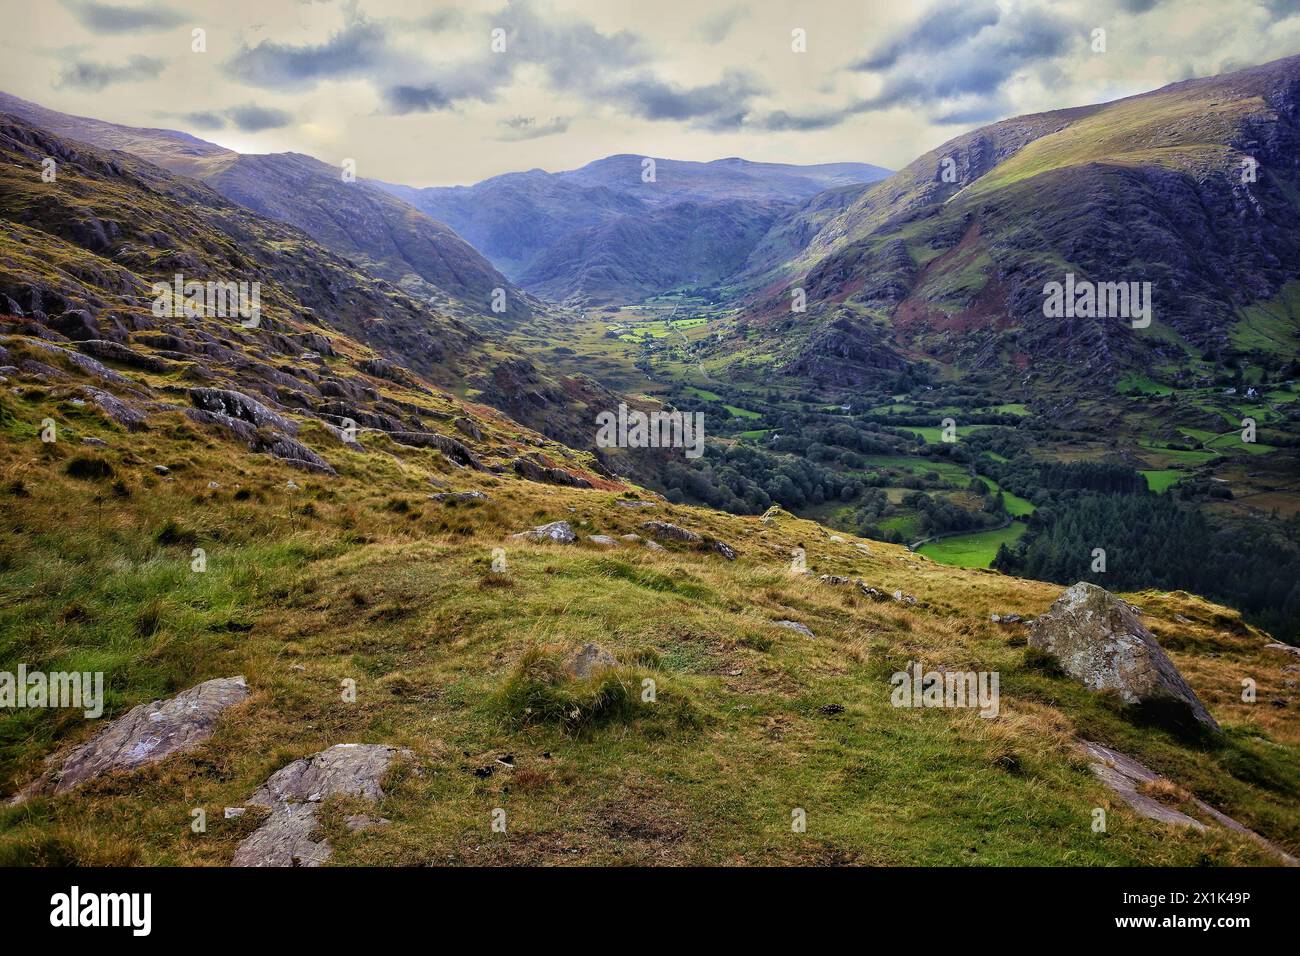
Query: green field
[[1135, 384], [1160, 480], [934, 434], [973, 550], [1016, 506]]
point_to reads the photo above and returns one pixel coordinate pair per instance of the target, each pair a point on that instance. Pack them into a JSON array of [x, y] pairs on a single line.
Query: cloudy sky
[[438, 93]]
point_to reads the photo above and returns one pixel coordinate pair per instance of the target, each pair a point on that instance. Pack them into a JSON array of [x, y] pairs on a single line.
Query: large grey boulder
[[146, 734], [293, 794], [1100, 641]]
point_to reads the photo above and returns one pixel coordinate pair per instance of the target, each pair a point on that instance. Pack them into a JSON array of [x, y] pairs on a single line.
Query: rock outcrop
[[558, 531], [1129, 779], [293, 794], [146, 734], [1100, 641]]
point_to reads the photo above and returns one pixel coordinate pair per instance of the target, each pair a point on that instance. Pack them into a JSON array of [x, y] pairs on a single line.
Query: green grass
[[933, 435], [973, 550], [1271, 326], [1016, 506], [1160, 480], [703, 393], [1133, 383]]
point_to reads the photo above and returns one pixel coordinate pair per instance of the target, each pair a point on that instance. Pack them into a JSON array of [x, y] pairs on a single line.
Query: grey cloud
[[249, 118], [1281, 9], [403, 99], [977, 66], [941, 29], [781, 121], [716, 105], [253, 119], [354, 50], [203, 119], [110, 18], [519, 128], [88, 75], [977, 113]]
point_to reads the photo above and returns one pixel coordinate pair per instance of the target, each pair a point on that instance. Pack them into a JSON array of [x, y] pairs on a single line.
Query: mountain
[[83, 252], [367, 225], [633, 257], [923, 267], [520, 220]]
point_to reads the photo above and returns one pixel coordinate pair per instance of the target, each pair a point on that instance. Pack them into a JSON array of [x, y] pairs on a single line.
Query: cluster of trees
[[938, 515], [748, 479], [1152, 541]]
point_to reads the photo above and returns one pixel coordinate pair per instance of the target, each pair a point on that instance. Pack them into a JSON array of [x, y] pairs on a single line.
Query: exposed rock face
[[591, 657], [146, 734], [663, 529], [126, 415], [1100, 641], [456, 452], [666, 531], [531, 470], [803, 629], [1125, 776], [558, 531], [223, 401], [293, 794]]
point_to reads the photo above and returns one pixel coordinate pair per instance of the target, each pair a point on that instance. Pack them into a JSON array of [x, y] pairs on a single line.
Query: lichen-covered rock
[[224, 401], [293, 793], [663, 530], [558, 531], [1100, 641], [1128, 778], [146, 734], [124, 413], [457, 452], [459, 496], [533, 471], [724, 549]]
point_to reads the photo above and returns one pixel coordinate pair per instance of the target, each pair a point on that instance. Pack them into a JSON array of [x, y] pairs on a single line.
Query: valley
[[379, 517]]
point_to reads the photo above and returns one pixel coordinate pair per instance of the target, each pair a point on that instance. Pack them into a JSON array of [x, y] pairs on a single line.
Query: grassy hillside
[[361, 576]]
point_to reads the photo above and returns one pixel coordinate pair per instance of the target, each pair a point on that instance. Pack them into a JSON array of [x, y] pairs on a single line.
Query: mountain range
[[608, 232]]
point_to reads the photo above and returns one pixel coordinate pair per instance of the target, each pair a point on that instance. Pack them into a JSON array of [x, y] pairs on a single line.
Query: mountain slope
[[1144, 189], [381, 234], [636, 256], [94, 241]]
